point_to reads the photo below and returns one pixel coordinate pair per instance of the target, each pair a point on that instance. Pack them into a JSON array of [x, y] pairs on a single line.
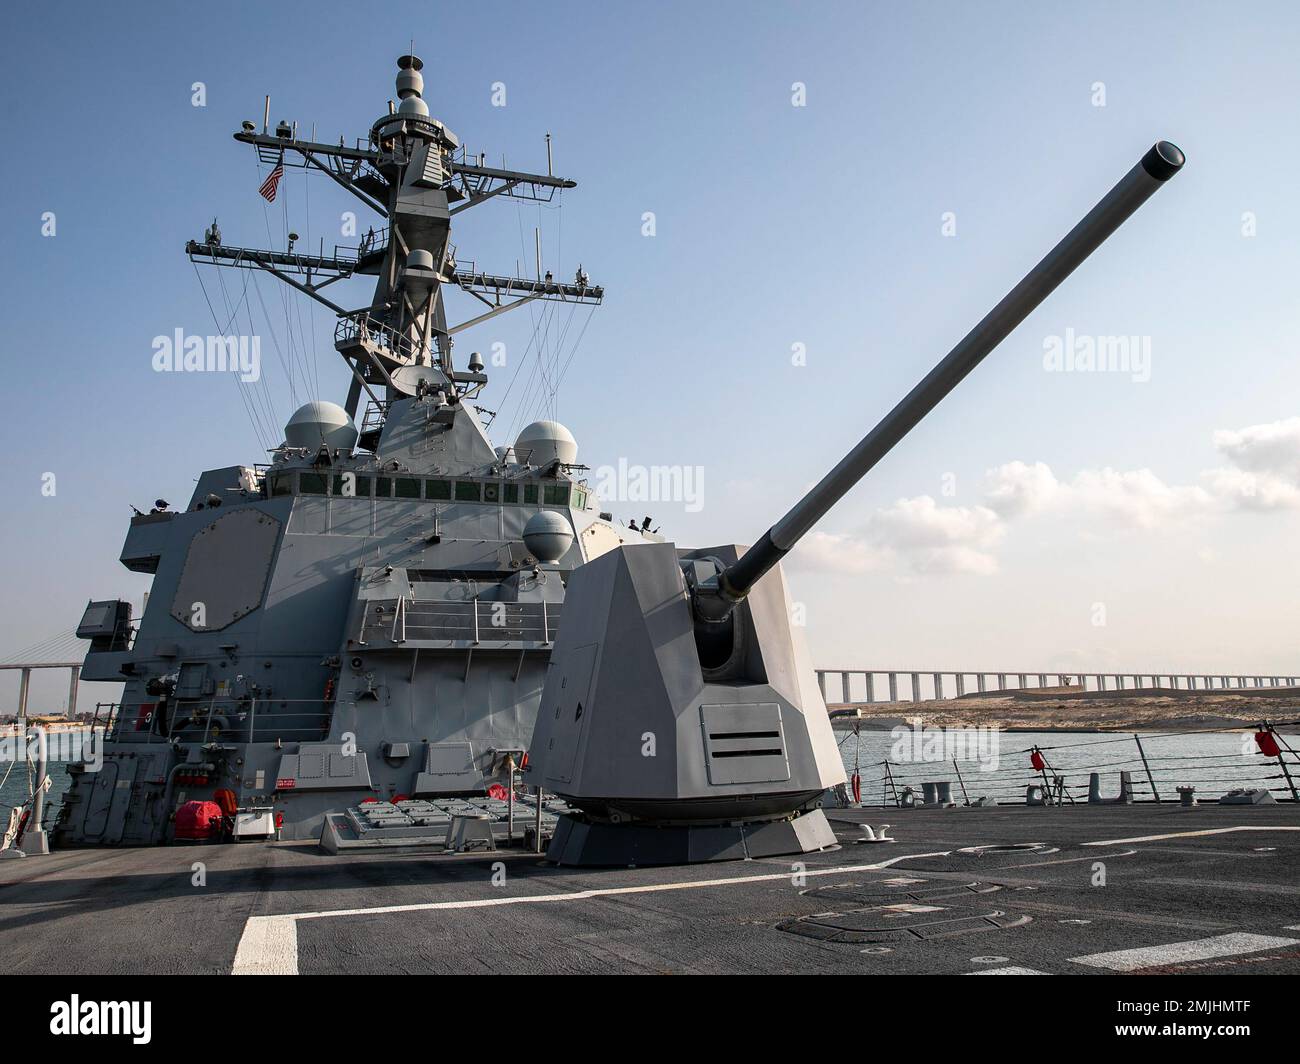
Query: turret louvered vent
[[744, 743]]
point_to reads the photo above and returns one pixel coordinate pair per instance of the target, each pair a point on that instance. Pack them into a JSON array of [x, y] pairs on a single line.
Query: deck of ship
[[1213, 889]]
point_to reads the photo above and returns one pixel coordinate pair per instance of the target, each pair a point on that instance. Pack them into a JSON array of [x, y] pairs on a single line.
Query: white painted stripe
[[1193, 834], [1012, 970], [1201, 949], [609, 892], [269, 946]]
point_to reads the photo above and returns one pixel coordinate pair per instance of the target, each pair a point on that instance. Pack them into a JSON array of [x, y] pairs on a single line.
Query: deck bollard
[[1125, 789]]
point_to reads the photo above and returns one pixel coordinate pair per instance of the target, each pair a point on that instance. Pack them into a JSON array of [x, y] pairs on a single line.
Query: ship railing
[[476, 622], [372, 242], [364, 327], [205, 720], [1169, 767], [376, 414]]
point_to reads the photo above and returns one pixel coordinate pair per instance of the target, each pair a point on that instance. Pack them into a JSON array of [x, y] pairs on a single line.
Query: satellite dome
[[413, 105], [321, 423], [548, 535], [544, 442]]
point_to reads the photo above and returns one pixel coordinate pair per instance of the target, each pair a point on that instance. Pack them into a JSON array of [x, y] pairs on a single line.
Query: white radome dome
[[548, 535], [321, 424], [544, 442]]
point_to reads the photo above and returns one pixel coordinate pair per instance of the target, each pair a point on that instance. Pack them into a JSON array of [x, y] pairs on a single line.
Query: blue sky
[[775, 225]]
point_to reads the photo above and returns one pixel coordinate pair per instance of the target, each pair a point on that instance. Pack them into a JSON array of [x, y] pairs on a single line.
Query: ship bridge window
[[383, 487], [557, 495], [311, 483], [408, 488], [491, 492], [579, 499], [281, 484], [361, 487], [437, 489], [530, 493], [467, 491], [510, 493]]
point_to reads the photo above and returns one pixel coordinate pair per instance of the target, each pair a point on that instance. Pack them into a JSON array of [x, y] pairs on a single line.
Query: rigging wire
[[253, 420]]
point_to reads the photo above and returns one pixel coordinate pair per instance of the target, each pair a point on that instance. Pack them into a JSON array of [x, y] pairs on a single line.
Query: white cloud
[[915, 534], [919, 535], [838, 552], [1252, 491], [1272, 448], [1133, 498], [1267, 461], [1016, 488], [1137, 498]]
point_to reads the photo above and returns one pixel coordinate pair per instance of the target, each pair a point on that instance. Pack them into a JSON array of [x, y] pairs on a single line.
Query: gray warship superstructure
[[371, 613]]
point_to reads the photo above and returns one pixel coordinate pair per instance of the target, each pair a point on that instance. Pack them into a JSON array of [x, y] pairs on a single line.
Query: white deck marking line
[[1193, 834], [268, 948], [1014, 969], [1070, 860], [1201, 949]]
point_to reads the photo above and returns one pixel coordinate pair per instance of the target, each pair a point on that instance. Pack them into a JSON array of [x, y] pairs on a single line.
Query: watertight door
[[571, 712], [101, 800]]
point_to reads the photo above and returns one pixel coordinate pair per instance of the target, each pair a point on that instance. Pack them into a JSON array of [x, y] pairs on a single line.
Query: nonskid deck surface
[[1214, 889]]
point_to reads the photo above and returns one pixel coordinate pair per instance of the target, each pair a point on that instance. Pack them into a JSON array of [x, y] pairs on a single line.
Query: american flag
[[272, 182]]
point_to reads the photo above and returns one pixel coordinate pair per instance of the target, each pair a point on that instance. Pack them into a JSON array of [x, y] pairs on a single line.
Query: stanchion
[[1150, 778]]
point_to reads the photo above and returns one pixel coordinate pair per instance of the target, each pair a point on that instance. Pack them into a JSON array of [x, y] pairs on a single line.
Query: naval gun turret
[[680, 717]]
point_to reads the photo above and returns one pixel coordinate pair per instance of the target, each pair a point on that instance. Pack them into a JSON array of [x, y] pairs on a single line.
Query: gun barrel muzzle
[[1156, 167]]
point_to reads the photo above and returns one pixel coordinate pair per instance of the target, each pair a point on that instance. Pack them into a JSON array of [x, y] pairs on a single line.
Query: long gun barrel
[[1155, 168]]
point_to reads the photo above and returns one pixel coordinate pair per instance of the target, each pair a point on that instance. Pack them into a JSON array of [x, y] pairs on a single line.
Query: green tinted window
[[557, 495], [311, 483], [579, 499], [491, 492], [510, 492], [282, 484], [530, 493], [360, 486], [383, 487], [408, 488], [437, 489], [467, 491]]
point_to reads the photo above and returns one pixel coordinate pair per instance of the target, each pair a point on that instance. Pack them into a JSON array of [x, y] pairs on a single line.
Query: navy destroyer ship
[[378, 613], [370, 614]]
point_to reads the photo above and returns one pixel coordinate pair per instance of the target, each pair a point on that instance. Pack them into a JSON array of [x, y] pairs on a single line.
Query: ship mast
[[414, 173]]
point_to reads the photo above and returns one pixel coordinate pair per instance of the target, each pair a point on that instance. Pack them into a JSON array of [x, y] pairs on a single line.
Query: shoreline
[[1081, 713]]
